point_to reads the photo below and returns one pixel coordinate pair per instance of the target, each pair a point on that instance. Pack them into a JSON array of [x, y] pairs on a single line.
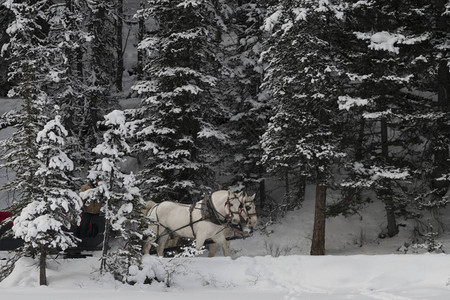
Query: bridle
[[242, 209], [228, 206]]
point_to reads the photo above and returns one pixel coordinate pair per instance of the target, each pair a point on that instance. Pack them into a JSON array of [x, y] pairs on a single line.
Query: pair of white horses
[[211, 218]]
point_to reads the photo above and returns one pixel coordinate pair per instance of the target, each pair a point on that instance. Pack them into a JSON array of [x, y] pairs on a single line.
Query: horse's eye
[[241, 206], [248, 207]]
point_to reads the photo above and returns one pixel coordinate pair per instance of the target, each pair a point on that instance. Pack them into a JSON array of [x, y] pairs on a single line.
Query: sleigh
[[91, 242], [7, 243]]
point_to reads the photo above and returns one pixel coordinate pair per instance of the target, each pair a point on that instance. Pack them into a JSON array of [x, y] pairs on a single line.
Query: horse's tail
[[148, 206]]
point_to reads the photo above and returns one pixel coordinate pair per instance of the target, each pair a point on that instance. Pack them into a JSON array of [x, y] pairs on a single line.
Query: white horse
[[206, 219], [250, 218]]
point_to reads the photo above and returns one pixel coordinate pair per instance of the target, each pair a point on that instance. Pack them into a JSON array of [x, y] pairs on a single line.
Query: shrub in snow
[[428, 244], [177, 264]]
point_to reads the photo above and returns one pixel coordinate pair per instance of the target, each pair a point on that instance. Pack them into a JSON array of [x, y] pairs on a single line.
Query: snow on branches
[[45, 221]]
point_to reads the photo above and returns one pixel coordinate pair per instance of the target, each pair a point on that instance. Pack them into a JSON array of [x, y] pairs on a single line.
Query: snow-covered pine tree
[[29, 69], [5, 19], [178, 136], [304, 76], [438, 79], [71, 36], [45, 223], [120, 198], [248, 108], [99, 69], [389, 52], [119, 47], [38, 69]]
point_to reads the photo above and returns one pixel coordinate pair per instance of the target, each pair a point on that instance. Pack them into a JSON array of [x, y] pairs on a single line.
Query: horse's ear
[[252, 197], [239, 194]]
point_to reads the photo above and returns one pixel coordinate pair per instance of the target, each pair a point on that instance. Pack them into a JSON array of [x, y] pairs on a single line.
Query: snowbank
[[288, 277]]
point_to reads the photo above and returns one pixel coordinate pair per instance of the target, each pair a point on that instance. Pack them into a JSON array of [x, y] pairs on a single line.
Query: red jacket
[[4, 215]]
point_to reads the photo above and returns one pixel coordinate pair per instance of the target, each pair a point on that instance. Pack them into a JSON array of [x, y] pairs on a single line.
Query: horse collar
[[211, 214]]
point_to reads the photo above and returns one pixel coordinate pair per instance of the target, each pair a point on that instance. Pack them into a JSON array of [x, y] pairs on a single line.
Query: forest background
[[350, 96]]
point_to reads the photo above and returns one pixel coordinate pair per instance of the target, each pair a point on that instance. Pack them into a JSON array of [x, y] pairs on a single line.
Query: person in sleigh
[[90, 212]]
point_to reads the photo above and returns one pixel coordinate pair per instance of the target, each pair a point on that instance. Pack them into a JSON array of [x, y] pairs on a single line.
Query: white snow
[[347, 102], [272, 21], [288, 277], [207, 132], [386, 41], [300, 13], [187, 3]]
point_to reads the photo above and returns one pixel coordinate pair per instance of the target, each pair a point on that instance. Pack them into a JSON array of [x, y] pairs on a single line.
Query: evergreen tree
[[178, 136], [5, 19], [248, 108], [28, 69], [438, 79], [119, 46], [390, 50], [73, 39], [122, 204], [99, 71], [45, 222], [43, 204], [304, 76]]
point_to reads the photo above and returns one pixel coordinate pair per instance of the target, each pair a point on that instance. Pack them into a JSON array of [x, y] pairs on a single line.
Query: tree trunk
[[386, 194], [119, 47], [42, 267], [441, 20], [287, 196], [140, 38], [318, 240], [360, 141], [384, 140], [301, 187], [105, 245], [262, 192], [390, 214]]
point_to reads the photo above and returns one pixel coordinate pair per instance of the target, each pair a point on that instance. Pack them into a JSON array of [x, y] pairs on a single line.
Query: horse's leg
[[220, 239], [199, 241], [212, 250], [162, 241], [150, 240], [147, 245], [226, 248]]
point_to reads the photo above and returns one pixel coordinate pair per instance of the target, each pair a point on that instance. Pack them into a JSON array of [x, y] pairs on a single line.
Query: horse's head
[[235, 207], [249, 209]]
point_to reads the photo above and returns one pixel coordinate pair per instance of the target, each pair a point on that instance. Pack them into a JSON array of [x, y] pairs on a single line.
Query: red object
[[90, 223], [4, 215]]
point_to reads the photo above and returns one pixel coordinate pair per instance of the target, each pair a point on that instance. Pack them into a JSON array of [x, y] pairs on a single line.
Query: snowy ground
[[287, 277], [272, 264]]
